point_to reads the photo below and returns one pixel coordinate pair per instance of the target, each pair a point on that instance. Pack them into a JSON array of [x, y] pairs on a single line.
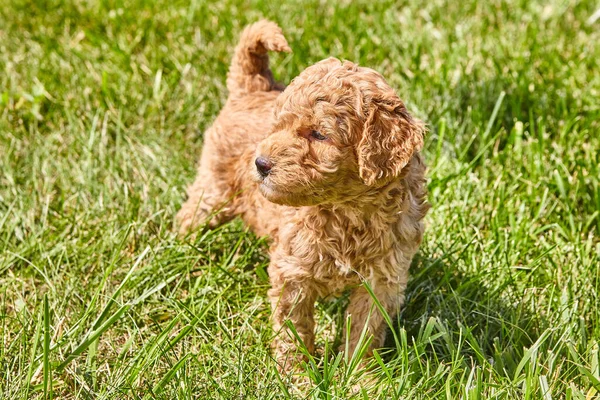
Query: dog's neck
[[374, 207]]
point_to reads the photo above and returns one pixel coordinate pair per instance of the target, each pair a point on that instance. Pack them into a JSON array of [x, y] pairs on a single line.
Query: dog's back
[[220, 190]]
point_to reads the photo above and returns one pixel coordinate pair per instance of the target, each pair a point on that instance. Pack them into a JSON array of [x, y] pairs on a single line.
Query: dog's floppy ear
[[389, 139]]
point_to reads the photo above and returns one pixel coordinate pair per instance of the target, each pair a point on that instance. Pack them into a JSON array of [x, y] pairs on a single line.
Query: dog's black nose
[[263, 166]]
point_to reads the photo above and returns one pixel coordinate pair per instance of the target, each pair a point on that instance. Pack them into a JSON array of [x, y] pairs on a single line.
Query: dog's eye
[[317, 135]]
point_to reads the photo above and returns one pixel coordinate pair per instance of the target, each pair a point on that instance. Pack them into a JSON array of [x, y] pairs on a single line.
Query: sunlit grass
[[102, 109]]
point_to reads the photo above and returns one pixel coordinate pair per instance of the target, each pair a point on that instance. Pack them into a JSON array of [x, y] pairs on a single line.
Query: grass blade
[[47, 367], [93, 335], [158, 388]]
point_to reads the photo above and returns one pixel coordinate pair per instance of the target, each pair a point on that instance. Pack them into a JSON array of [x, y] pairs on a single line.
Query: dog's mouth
[[271, 193], [279, 196], [286, 197]]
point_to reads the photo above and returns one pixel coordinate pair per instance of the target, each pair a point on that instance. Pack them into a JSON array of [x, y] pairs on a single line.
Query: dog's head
[[339, 130]]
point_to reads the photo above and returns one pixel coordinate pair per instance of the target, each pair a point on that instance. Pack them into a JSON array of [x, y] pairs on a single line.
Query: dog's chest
[[340, 251], [347, 252]]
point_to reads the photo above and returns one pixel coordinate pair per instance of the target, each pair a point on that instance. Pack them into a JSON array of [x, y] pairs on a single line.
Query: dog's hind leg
[[209, 198]]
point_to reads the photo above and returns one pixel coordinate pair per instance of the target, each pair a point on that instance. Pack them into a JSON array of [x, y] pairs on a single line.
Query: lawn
[[102, 109]]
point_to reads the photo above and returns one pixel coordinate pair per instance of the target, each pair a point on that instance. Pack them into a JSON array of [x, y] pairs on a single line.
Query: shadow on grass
[[452, 315]]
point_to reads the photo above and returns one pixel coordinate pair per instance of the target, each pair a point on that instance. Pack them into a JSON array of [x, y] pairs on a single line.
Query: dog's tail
[[249, 71]]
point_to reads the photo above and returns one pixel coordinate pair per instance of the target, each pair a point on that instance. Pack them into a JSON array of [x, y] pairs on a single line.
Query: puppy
[[329, 168]]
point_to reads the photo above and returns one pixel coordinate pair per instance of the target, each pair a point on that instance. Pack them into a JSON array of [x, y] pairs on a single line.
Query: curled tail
[[249, 71]]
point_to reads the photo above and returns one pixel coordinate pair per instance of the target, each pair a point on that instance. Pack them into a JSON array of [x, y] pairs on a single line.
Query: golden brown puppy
[[330, 170]]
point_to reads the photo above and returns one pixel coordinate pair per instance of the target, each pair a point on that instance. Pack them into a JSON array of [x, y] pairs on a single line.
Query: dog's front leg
[[363, 311], [292, 300]]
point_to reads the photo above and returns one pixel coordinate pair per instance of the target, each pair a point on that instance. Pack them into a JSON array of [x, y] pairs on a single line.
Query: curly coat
[[343, 195]]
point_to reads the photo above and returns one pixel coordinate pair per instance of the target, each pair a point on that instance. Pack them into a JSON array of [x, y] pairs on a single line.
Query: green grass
[[102, 109]]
